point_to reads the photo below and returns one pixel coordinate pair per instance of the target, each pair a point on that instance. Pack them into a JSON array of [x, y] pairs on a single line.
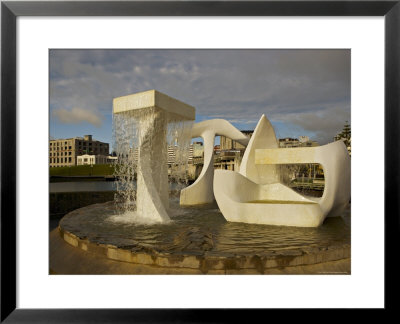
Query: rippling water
[[196, 230]]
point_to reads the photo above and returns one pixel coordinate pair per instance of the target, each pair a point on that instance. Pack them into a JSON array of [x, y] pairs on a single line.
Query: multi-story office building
[[196, 150], [227, 143], [64, 152], [171, 154]]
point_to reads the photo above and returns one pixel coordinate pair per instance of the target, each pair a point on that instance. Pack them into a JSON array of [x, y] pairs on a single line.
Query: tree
[[345, 134]]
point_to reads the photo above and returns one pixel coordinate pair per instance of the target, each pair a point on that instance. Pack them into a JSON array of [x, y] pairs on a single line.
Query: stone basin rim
[[209, 262]]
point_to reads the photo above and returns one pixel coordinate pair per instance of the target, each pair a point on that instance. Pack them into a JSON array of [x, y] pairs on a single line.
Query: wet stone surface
[[203, 231]]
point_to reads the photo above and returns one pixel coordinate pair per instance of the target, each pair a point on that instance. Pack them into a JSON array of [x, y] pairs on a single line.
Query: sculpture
[[201, 191], [255, 195], [153, 111], [252, 195]]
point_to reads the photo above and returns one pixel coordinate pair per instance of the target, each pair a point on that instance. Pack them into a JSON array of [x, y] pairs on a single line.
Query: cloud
[[77, 115], [297, 87], [325, 123]]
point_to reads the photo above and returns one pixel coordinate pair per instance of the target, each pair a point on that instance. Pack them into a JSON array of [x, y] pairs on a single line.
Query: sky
[[302, 92]]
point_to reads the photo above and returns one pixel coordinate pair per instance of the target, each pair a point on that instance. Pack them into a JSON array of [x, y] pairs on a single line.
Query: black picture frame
[[10, 10]]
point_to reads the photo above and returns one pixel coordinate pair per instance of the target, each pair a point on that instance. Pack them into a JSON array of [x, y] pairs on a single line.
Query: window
[[69, 153], [70, 147], [65, 160], [69, 160]]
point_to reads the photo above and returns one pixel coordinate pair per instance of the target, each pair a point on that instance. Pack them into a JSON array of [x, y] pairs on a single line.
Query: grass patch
[[83, 170]]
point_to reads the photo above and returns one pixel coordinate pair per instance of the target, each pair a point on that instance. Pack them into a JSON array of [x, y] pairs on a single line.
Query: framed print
[[89, 46]]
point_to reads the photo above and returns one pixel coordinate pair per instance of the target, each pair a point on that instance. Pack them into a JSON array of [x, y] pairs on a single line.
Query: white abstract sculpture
[[263, 137], [153, 110], [252, 196], [201, 191]]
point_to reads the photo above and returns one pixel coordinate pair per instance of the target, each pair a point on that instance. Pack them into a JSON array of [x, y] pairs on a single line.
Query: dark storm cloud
[[309, 89]]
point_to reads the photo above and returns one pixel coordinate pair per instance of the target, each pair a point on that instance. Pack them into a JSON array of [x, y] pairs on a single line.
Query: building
[[87, 159], [196, 150], [111, 159], [171, 154], [308, 143], [227, 143], [302, 141], [288, 142], [64, 152], [230, 152]]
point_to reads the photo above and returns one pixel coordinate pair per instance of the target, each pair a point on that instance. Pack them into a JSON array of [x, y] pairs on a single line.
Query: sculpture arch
[[201, 191]]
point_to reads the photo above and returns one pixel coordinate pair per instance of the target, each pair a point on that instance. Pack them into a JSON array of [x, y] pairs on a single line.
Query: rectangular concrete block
[[153, 98], [286, 155]]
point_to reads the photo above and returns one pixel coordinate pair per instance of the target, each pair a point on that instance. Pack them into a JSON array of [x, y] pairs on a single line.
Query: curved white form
[[152, 173], [263, 137], [335, 161], [242, 199], [201, 191]]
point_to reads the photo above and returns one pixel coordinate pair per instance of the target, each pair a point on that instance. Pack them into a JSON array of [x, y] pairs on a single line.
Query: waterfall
[[152, 146]]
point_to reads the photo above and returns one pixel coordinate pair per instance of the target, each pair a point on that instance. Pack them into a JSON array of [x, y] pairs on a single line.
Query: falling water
[[134, 146], [178, 142]]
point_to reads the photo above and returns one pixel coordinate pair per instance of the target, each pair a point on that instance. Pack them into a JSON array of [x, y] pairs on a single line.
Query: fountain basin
[[196, 241]]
